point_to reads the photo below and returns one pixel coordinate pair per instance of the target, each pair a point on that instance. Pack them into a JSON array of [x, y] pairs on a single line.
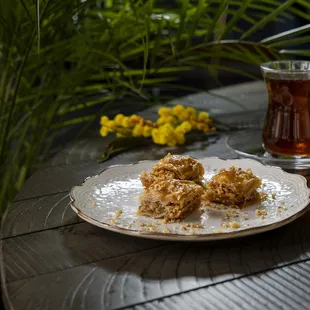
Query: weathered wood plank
[[57, 179], [137, 277], [65, 247], [251, 96], [280, 288], [101, 286], [40, 213]]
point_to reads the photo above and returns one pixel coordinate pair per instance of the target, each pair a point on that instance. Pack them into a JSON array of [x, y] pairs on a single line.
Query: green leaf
[[158, 37], [182, 23], [302, 14], [267, 19], [86, 104], [235, 18], [295, 52], [304, 3], [74, 121], [21, 177], [284, 35], [123, 144], [223, 68], [291, 42], [218, 14], [157, 80], [199, 10]]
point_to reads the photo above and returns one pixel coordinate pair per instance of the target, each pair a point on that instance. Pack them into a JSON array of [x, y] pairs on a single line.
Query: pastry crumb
[[280, 209], [94, 203], [166, 230], [260, 212], [117, 214], [225, 225], [193, 225], [232, 213], [192, 231], [234, 224], [263, 196]]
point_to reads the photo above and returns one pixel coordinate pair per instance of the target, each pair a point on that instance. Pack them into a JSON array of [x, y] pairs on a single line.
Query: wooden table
[[54, 260]]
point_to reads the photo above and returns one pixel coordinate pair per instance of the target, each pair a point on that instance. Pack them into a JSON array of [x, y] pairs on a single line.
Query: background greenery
[[64, 62]]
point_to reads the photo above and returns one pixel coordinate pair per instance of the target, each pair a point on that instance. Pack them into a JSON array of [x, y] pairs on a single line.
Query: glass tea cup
[[286, 129]]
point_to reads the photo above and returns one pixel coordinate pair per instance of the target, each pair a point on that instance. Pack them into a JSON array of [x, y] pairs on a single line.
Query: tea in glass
[[286, 129]]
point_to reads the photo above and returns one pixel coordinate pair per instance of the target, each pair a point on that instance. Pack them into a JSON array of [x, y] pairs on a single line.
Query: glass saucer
[[248, 144]]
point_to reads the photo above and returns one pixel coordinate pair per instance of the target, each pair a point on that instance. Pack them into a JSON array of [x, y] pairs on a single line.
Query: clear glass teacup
[[286, 129]]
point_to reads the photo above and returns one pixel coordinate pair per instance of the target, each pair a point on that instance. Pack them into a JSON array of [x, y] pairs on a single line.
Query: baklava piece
[[233, 187], [170, 199], [174, 167]]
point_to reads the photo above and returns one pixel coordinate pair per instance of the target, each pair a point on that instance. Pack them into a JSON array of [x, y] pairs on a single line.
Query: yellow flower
[[156, 136], [201, 126], [120, 135], [118, 119], [161, 120], [162, 139], [167, 120], [194, 125], [135, 118], [191, 111], [104, 131], [178, 109], [180, 138], [187, 126], [203, 117], [166, 134], [111, 125], [172, 141], [171, 120], [183, 115], [164, 112], [147, 131], [137, 131], [184, 127], [166, 129], [126, 122], [206, 129], [104, 120], [170, 128]]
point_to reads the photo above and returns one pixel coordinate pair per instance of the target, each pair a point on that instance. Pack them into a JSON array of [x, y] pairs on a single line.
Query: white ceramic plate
[[101, 197]]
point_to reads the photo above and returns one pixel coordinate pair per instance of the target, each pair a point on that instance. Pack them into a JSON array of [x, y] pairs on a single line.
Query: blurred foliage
[[55, 55]]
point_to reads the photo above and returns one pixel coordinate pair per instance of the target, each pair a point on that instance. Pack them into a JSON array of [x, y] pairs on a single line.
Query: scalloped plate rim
[[182, 237]]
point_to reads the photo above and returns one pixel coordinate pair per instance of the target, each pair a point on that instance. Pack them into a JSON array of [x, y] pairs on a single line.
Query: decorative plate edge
[[183, 237]]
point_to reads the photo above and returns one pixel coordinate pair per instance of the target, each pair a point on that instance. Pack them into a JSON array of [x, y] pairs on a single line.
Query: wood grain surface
[[137, 271], [53, 260], [279, 288]]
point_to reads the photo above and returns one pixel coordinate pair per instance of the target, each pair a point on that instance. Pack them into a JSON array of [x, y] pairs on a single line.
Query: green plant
[[55, 55]]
